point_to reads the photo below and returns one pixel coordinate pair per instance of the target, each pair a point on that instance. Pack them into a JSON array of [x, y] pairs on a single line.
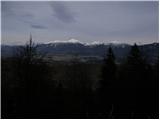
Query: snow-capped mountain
[[94, 43], [75, 47], [73, 41]]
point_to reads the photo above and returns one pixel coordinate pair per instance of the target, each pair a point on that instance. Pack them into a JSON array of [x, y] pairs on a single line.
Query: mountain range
[[98, 50]]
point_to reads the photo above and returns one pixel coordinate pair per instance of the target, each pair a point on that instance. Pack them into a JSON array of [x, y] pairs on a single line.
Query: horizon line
[[83, 43]]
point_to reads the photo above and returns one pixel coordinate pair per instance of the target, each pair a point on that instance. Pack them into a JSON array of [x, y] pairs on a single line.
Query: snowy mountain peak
[[96, 43], [64, 41], [115, 42], [59, 42], [73, 41]]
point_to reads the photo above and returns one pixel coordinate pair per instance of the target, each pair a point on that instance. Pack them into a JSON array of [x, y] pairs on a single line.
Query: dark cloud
[[38, 27], [62, 12]]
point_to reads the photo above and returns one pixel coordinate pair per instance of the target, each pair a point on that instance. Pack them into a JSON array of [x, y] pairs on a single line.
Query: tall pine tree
[[108, 70], [137, 77], [106, 83]]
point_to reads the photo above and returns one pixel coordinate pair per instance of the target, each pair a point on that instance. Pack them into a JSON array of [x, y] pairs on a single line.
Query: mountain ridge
[[150, 51]]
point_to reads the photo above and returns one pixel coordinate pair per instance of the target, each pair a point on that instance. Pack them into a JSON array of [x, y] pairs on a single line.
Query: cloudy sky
[[105, 21]]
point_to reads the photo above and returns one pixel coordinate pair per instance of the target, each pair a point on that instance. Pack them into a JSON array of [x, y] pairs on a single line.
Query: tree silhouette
[[27, 52], [136, 66], [106, 83], [32, 74], [137, 77], [108, 70]]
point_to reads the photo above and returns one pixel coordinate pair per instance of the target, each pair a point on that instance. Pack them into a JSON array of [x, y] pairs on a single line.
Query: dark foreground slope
[[35, 87], [72, 91]]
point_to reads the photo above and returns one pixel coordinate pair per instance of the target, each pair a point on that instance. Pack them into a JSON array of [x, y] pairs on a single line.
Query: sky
[[104, 21]]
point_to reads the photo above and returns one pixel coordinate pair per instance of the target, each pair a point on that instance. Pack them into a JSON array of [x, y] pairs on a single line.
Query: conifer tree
[[136, 67], [32, 76], [137, 78], [108, 70], [106, 83]]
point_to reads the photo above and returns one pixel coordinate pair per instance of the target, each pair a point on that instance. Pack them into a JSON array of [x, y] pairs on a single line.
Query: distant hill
[[74, 48]]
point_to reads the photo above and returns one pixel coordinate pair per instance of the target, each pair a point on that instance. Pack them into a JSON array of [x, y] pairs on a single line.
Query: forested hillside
[[34, 88]]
